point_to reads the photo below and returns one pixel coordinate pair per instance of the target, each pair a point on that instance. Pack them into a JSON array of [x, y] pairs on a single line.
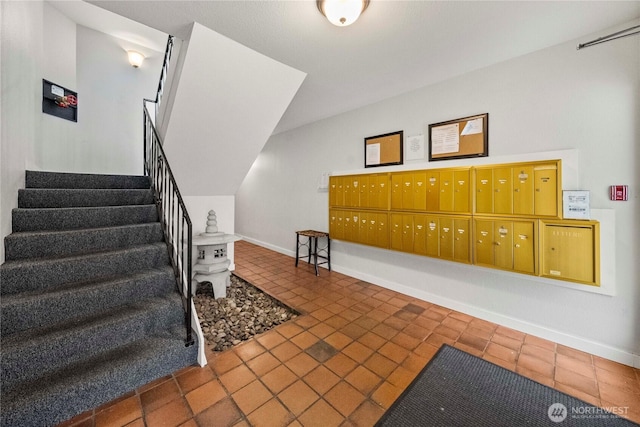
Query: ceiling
[[395, 46]]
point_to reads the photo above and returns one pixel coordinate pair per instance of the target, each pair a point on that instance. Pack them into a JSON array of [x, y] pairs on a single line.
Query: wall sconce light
[[342, 12], [135, 58]]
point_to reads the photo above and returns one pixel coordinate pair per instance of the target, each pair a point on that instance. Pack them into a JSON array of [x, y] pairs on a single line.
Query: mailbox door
[[484, 242], [523, 180], [446, 191], [382, 237], [546, 191], [484, 191], [523, 247], [432, 225], [446, 238], [419, 234], [433, 191], [396, 191], [461, 239], [461, 188], [420, 190], [502, 191], [503, 244]]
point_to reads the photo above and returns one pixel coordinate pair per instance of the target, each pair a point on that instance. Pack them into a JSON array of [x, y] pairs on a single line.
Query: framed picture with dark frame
[[460, 138], [383, 150]]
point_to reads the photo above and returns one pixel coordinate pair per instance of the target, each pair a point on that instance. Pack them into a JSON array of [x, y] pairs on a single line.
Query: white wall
[[227, 102], [110, 93], [554, 99], [20, 70], [59, 67], [39, 42]]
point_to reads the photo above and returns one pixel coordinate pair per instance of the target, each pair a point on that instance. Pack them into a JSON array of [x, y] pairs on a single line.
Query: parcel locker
[[570, 251]]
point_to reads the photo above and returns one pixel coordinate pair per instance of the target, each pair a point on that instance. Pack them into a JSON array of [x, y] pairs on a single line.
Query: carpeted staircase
[[89, 304]]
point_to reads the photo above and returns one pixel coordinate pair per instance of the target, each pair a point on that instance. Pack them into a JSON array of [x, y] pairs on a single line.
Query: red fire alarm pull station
[[619, 192]]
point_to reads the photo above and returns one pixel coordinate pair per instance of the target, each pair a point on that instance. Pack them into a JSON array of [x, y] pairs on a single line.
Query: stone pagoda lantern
[[212, 264]]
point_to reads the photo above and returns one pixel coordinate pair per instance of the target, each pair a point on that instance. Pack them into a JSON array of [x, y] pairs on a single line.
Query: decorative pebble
[[246, 312]]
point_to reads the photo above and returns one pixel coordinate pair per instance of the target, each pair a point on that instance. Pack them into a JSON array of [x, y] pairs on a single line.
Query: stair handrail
[[163, 75], [173, 214]]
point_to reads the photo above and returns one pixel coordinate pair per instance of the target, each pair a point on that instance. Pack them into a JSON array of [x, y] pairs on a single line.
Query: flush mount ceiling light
[[135, 58], [342, 12]]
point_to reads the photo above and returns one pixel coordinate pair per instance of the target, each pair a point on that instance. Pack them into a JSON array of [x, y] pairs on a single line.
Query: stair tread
[[90, 307], [34, 245], [33, 198], [80, 208], [70, 326], [20, 234], [45, 179], [81, 386], [75, 258], [72, 287]]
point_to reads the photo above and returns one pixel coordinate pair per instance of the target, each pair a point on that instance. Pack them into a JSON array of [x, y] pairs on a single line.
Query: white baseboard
[[599, 349]]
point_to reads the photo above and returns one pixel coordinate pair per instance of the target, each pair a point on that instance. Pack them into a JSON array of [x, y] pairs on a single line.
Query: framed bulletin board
[[383, 150], [460, 138]]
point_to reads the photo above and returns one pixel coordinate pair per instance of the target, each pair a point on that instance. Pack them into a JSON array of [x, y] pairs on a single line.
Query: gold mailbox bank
[[506, 216]]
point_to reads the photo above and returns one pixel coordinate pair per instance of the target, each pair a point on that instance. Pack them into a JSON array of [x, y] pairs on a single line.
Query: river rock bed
[[247, 311]]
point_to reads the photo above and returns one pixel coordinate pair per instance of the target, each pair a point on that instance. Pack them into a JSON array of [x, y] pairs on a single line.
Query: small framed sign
[[575, 204], [59, 101]]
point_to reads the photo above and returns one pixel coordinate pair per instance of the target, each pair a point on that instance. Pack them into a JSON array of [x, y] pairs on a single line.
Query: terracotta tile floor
[[347, 358]]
